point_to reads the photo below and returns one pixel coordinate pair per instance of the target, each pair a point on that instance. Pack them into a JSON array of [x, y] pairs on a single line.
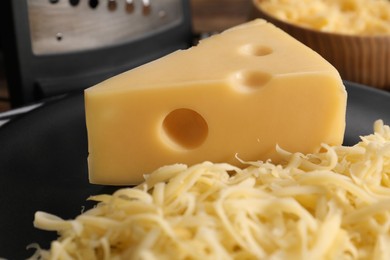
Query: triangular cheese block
[[236, 94]]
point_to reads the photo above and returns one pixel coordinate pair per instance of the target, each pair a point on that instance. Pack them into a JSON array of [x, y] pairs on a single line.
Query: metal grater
[[66, 26]]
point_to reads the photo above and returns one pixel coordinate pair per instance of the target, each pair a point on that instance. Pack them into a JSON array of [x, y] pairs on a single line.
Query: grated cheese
[[358, 17], [334, 204]]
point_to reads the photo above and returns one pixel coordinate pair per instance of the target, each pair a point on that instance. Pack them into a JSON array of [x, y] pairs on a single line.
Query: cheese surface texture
[[237, 94]]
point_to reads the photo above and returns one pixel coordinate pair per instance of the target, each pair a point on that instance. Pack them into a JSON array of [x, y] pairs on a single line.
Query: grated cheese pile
[[330, 205], [363, 17]]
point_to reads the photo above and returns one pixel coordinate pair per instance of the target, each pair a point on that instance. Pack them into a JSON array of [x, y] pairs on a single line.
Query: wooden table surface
[[207, 15]]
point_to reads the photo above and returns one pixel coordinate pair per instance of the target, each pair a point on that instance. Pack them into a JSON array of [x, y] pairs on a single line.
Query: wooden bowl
[[361, 59]]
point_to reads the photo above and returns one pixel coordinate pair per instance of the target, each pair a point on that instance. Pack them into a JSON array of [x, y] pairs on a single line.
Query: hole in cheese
[[256, 50], [185, 128], [251, 80]]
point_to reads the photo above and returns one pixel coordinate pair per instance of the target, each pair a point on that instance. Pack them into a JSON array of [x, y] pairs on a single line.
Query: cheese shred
[[334, 204], [352, 17]]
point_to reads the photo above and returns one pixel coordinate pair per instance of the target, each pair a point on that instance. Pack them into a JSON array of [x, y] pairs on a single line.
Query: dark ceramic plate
[[43, 163]]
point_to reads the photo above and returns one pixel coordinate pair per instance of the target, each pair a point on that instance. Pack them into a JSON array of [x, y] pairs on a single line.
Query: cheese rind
[[241, 92]]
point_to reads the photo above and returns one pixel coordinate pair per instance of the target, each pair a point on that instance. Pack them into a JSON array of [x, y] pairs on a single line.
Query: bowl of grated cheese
[[353, 35]]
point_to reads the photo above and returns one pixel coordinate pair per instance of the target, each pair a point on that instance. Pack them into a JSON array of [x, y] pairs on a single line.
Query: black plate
[[43, 163]]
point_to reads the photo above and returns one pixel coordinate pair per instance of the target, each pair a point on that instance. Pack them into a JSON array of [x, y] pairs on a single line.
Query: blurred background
[[205, 16], [52, 47]]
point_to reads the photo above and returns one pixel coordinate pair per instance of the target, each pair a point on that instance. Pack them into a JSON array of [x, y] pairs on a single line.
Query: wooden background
[[217, 15]]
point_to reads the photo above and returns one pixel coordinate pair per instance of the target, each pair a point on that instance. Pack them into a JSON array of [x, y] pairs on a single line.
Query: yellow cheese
[[355, 17], [236, 94]]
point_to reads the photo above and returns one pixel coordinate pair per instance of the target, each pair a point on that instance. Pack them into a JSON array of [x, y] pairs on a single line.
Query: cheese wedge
[[236, 94]]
